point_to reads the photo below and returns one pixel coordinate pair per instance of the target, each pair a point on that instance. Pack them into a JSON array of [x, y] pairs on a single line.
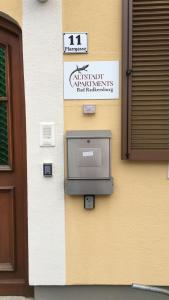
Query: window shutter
[[145, 112]]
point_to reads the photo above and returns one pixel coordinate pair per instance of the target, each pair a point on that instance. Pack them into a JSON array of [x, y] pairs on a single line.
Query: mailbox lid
[[75, 134]]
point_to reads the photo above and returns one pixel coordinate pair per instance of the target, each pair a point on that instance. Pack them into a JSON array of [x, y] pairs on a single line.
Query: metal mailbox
[[89, 163]]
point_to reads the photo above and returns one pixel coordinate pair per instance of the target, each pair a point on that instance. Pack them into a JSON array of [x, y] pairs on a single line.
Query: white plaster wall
[[42, 44]]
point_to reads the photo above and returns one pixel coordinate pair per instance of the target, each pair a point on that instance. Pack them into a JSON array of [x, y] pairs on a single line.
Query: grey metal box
[[88, 162]]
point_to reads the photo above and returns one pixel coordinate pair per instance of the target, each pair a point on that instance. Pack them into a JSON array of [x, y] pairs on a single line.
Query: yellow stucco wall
[[13, 8], [125, 239]]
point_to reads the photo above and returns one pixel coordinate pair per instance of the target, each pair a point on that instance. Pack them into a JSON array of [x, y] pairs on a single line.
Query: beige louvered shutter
[[145, 80]]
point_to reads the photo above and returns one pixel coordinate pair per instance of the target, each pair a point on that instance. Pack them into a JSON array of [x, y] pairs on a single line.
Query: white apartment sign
[[75, 42], [91, 80]]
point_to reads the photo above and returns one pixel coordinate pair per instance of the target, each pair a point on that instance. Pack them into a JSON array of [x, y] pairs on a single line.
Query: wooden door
[[13, 208]]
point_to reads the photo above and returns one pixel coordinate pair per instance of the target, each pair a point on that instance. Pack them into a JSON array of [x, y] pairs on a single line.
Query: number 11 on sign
[[76, 43], [71, 37]]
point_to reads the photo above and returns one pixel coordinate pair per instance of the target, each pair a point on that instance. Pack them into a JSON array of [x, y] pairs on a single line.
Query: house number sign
[[75, 42]]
